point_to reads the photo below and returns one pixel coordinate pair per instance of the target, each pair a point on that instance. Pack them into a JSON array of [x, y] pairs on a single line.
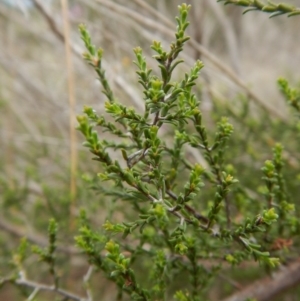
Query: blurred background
[[34, 89], [243, 55]]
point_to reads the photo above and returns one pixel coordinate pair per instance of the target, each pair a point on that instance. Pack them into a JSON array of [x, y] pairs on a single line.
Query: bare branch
[[43, 287], [267, 288], [86, 281], [49, 19]]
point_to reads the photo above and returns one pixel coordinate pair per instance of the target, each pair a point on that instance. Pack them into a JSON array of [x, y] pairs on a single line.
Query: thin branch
[[191, 210], [49, 19], [33, 294], [86, 281], [44, 287], [269, 7], [230, 36]]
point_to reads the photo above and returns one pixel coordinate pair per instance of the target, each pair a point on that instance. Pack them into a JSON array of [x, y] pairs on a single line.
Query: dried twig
[[41, 8], [86, 281], [230, 36], [43, 287], [267, 288]]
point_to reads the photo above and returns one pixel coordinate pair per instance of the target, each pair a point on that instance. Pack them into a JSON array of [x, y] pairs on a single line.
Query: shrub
[[182, 222]]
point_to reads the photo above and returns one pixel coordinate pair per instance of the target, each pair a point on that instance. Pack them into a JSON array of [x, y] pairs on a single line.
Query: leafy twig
[[270, 7]]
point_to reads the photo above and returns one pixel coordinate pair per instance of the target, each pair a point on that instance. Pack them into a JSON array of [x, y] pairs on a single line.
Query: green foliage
[[48, 255], [173, 218], [176, 214], [269, 7], [292, 95]]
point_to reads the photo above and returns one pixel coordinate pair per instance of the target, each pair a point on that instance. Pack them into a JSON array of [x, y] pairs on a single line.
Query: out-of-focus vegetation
[[243, 57]]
